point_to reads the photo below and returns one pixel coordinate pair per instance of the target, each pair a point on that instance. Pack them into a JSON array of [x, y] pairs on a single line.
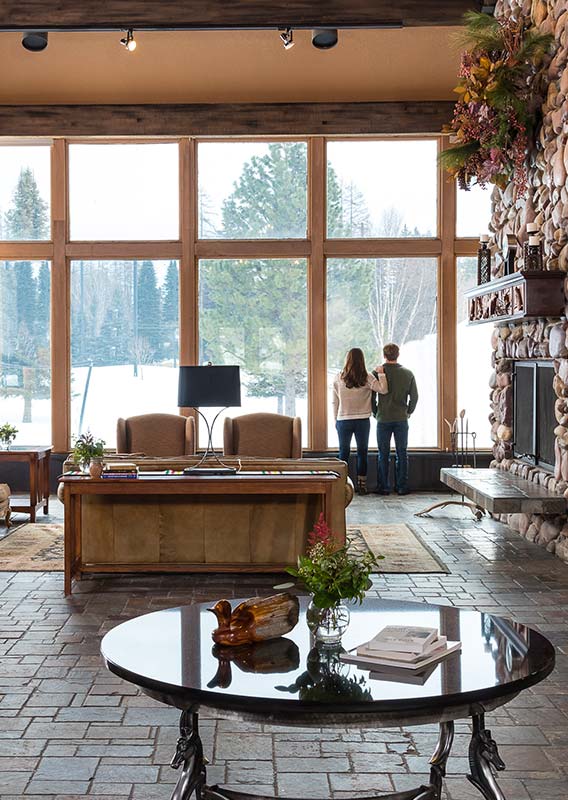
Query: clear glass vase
[[327, 624]]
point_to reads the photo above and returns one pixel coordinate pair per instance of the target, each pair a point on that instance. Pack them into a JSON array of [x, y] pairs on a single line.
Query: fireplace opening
[[533, 412]]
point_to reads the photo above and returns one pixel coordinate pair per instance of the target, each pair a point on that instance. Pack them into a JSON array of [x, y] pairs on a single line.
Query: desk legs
[[34, 479], [45, 484], [189, 756], [71, 537]]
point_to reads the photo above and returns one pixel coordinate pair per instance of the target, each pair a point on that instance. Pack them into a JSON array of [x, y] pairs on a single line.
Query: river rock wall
[[546, 203]]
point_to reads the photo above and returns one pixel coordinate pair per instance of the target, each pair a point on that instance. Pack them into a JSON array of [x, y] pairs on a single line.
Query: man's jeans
[[384, 432], [346, 428]]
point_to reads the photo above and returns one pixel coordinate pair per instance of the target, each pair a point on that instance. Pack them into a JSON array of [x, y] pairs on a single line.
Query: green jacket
[[400, 402]]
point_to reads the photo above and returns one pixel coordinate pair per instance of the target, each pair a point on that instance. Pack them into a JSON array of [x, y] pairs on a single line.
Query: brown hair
[[391, 351], [354, 373]]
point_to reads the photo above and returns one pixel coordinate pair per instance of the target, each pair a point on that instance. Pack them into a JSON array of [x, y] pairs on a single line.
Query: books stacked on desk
[[120, 469], [402, 647]]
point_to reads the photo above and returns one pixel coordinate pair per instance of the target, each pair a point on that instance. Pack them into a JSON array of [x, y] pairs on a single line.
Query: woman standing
[[352, 390]]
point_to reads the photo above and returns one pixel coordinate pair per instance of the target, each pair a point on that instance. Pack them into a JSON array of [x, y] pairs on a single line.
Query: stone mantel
[[526, 294]]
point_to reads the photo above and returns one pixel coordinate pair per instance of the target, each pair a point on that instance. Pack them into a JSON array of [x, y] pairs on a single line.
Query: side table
[[38, 460]]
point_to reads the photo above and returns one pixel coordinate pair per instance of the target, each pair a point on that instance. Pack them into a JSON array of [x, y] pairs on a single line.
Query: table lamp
[[209, 387]]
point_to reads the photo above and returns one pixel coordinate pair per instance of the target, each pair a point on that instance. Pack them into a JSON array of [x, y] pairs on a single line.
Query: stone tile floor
[[69, 729]]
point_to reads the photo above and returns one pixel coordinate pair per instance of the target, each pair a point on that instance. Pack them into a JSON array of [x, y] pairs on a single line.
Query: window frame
[[188, 249]]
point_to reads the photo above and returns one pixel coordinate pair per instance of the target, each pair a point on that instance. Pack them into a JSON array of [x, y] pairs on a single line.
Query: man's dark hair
[[391, 351]]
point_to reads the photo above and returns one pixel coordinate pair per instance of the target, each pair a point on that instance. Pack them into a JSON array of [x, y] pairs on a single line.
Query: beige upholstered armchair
[[263, 436], [160, 435]]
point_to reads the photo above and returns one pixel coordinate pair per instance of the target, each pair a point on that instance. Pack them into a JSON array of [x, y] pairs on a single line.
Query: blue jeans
[[384, 432], [345, 430]]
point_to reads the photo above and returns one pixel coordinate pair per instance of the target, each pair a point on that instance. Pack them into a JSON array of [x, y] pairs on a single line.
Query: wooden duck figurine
[[255, 620]]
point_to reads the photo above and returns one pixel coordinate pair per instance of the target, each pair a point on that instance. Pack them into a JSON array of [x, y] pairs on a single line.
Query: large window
[[252, 190], [474, 358], [384, 189], [25, 368], [124, 342], [254, 313], [123, 191], [374, 301], [277, 255], [25, 193]]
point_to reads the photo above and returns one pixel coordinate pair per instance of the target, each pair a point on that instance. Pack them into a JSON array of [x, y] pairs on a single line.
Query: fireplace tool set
[[463, 448]]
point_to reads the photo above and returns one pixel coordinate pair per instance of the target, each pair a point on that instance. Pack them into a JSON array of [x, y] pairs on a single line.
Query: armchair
[[159, 435], [263, 436]]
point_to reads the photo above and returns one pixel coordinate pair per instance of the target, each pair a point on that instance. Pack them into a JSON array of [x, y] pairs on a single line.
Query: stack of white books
[[403, 647]]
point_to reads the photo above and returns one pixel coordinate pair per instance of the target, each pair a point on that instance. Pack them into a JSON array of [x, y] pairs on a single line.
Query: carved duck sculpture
[[255, 620]]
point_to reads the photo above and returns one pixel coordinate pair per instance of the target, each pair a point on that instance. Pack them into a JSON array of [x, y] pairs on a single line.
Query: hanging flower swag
[[496, 114]]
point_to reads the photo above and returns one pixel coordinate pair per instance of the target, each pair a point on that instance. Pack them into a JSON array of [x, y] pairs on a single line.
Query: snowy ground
[[116, 392]]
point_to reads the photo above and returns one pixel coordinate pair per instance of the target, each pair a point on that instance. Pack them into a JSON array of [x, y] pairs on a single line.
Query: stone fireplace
[[543, 338]]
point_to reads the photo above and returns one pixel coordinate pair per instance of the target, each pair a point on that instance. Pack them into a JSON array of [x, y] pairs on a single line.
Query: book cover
[[369, 662], [403, 638], [394, 655]]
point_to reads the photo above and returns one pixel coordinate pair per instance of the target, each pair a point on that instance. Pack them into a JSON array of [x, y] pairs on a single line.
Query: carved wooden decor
[[255, 620], [525, 294]]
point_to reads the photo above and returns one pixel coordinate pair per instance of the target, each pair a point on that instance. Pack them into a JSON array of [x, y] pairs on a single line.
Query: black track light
[[287, 37], [129, 41], [34, 41], [324, 38]]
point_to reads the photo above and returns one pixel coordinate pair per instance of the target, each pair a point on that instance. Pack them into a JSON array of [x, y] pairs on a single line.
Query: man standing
[[393, 411]]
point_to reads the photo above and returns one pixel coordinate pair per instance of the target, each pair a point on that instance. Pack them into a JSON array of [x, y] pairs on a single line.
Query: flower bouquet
[[332, 572]]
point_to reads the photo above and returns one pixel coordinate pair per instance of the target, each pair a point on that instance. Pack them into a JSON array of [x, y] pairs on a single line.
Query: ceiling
[[229, 66]]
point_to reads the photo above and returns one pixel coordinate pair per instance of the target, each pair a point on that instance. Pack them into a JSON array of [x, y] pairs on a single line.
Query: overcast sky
[[131, 191]]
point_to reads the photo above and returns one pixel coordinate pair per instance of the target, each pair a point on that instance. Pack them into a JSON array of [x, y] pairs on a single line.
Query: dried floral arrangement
[[499, 97]]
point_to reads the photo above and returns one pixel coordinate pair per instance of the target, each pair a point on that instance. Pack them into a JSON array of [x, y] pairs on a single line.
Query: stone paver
[[69, 729]]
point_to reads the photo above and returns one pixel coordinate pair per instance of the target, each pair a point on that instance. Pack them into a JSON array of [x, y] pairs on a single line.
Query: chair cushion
[[263, 435], [156, 434]]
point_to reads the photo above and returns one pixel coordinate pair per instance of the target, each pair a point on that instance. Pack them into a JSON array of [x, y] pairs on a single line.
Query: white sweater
[[356, 403]]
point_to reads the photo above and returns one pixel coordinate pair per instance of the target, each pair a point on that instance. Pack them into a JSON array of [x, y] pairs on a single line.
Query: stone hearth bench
[[497, 492]]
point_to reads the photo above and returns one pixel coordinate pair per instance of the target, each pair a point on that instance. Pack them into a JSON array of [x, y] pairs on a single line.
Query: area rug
[[33, 548], [39, 548], [403, 549]]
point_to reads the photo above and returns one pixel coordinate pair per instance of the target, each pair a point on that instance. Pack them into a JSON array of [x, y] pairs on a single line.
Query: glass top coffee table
[[170, 656]]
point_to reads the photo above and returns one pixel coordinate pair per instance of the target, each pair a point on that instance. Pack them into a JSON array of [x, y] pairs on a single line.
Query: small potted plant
[[7, 435], [89, 452], [332, 572]]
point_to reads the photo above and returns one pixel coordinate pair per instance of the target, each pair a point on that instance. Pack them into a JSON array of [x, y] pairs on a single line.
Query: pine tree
[[148, 336], [28, 218], [170, 312]]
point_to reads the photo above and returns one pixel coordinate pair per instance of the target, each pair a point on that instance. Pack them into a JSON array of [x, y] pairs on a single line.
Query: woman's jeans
[[385, 430], [345, 430]]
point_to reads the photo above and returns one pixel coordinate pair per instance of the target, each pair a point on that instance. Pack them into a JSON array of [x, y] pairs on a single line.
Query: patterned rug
[[39, 548], [33, 547], [403, 549]]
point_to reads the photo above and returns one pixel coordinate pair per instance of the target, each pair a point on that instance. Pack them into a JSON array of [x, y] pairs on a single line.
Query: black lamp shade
[[209, 386]]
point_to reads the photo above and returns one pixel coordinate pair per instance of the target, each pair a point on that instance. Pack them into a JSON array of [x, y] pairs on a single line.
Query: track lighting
[[324, 38], [34, 41], [129, 41], [287, 37]]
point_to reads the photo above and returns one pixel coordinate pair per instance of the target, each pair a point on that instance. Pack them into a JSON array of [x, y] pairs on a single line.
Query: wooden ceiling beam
[[237, 14], [245, 119]]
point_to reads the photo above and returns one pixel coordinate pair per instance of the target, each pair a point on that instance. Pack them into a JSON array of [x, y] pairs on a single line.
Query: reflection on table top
[[173, 647]]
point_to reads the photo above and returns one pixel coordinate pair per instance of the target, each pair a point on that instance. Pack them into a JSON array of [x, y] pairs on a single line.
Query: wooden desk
[[38, 460], [75, 487]]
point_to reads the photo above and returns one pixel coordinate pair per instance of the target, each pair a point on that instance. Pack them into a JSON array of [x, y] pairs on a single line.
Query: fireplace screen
[[533, 412]]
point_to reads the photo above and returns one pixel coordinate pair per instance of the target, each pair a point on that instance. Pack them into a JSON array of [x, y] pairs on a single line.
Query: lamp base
[[204, 471]]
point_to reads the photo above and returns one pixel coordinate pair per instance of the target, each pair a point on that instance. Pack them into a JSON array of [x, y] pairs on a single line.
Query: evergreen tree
[[170, 312], [28, 217], [25, 352], [147, 339]]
